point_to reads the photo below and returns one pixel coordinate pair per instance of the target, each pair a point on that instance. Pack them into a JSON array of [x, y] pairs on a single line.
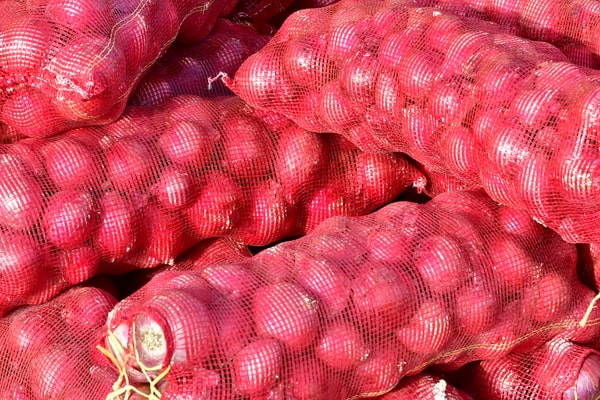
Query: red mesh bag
[[354, 306], [461, 96], [47, 350], [140, 191], [68, 63], [559, 370], [425, 386], [571, 25], [186, 69]]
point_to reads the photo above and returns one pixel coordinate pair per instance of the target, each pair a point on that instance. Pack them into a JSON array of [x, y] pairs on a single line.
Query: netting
[[462, 96], [186, 69], [425, 386], [67, 63], [356, 305], [559, 370], [571, 25], [138, 192], [47, 350]]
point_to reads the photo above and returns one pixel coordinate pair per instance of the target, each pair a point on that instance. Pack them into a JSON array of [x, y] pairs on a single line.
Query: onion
[[337, 111], [188, 143], [233, 281], [513, 266], [378, 374], [24, 46], [382, 296], [234, 328], [301, 159], [116, 233], [389, 97], [342, 347], [136, 35], [216, 209], [429, 331], [176, 188], [309, 379], [344, 40], [329, 284], [268, 217], [417, 72], [535, 108], [21, 264], [163, 238], [327, 202], [89, 79], [358, 77], [382, 177], [587, 385], [84, 309], [61, 371], [72, 164], [21, 198], [79, 264], [69, 219], [520, 224], [30, 331], [130, 164], [389, 247], [173, 327], [459, 148], [248, 147], [548, 298], [306, 62], [263, 78], [286, 312], [476, 308], [24, 110], [443, 263], [80, 16], [257, 366]]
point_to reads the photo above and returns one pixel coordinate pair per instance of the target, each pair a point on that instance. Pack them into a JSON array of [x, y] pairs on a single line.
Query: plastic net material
[[461, 96], [425, 386], [70, 63], [571, 25], [354, 306], [140, 191], [559, 370], [47, 350], [186, 69]]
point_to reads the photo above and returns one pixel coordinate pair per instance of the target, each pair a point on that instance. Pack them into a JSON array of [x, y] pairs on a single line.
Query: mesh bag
[[354, 306], [47, 350], [461, 96], [559, 370], [69, 63], [186, 69], [138, 192], [571, 25], [425, 386]]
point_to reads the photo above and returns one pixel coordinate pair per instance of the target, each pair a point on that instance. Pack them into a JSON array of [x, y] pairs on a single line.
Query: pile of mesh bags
[[307, 199]]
